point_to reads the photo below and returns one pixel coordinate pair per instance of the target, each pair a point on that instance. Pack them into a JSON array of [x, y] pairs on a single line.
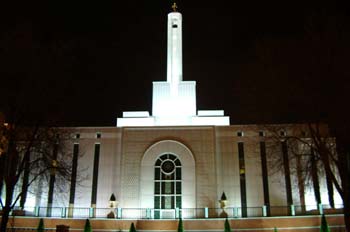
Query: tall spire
[[174, 60], [174, 100]]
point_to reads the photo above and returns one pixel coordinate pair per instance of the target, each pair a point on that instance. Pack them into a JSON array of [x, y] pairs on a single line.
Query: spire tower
[[174, 100], [174, 58]]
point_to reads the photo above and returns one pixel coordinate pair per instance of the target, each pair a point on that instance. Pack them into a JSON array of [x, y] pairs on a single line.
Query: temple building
[[180, 160]]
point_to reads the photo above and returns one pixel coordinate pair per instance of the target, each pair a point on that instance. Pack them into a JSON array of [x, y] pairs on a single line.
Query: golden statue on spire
[[174, 6]]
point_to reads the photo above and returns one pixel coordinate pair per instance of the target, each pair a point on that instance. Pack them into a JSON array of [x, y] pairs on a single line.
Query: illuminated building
[[176, 158]]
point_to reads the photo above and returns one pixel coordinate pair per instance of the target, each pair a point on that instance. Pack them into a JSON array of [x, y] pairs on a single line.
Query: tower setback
[[174, 100]]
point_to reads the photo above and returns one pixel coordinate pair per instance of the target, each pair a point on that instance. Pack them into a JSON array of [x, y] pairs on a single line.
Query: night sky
[[83, 63]]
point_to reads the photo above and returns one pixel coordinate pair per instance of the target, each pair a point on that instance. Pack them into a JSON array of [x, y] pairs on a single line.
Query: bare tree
[[32, 90], [314, 65], [312, 148], [29, 151]]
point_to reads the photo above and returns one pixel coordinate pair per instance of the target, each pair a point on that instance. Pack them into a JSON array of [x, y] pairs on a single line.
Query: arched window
[[167, 184]]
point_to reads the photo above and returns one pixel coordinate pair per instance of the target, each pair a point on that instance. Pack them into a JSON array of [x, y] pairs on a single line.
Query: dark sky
[[86, 62]]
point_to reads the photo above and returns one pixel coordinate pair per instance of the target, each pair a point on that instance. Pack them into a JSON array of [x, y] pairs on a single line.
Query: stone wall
[[285, 224]]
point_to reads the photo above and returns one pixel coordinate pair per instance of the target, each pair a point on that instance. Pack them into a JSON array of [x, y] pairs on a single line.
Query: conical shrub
[[180, 227], [324, 224], [41, 227], [87, 227], [227, 226], [132, 228]]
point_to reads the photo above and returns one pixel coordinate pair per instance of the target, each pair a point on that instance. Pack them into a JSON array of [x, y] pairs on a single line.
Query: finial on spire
[[174, 6]]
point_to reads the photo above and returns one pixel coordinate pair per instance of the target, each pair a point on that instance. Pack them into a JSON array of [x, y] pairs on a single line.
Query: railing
[[186, 213]]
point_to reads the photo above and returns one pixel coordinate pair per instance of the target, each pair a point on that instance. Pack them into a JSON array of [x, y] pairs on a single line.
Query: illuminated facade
[[176, 158], [186, 167]]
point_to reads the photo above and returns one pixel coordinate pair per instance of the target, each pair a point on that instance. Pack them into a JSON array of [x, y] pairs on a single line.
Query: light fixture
[[112, 204], [223, 203], [113, 201]]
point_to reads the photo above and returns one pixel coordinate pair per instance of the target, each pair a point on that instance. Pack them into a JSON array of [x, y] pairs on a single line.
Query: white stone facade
[[209, 160]]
